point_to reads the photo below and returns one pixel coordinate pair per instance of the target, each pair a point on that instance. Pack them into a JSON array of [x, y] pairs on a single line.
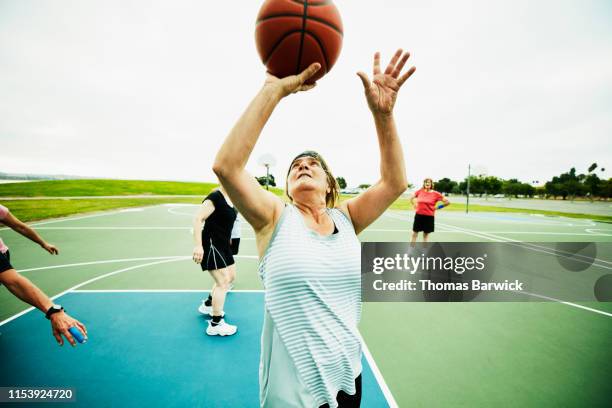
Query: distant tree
[[593, 185], [511, 188], [605, 188], [492, 185], [262, 180], [341, 182], [445, 185], [364, 186]]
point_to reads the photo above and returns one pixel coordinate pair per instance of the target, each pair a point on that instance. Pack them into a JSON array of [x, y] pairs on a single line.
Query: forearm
[[197, 233], [25, 290], [392, 167], [29, 233], [239, 144]]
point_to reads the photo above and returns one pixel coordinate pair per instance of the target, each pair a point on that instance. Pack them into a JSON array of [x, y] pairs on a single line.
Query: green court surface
[[422, 354]]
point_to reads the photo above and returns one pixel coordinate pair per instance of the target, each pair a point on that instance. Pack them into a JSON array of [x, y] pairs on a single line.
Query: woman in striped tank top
[[309, 251]]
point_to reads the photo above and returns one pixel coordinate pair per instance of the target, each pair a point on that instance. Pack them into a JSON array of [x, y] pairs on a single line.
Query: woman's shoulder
[[342, 208]]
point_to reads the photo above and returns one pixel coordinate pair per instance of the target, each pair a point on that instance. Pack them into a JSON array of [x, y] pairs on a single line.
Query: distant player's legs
[[415, 235], [425, 236], [231, 274], [220, 289], [217, 325]]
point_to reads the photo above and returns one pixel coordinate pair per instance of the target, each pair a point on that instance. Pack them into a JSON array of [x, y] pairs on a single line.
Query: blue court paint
[[146, 349]]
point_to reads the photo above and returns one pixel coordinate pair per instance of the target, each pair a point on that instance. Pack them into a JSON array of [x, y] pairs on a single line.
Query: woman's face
[[427, 184], [306, 174]]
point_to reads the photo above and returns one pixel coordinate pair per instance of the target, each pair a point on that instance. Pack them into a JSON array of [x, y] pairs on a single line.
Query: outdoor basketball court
[[128, 275]]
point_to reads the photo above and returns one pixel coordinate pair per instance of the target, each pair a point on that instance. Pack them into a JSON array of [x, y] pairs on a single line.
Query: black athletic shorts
[[423, 223], [235, 245], [345, 400], [5, 261], [216, 256]]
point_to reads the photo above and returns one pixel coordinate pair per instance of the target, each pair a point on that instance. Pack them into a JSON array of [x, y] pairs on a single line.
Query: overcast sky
[[149, 89]]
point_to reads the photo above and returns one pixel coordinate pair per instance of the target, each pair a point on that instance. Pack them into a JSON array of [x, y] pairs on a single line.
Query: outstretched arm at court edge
[[17, 225], [203, 213], [381, 95], [258, 206], [25, 290]]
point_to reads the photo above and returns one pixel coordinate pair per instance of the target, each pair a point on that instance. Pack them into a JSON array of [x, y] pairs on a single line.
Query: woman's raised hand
[[381, 93], [293, 83]]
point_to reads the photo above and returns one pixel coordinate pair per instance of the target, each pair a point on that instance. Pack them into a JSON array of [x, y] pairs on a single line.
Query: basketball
[[292, 34]]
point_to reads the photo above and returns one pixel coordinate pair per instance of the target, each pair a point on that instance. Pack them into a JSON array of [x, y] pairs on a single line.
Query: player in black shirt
[[213, 252]]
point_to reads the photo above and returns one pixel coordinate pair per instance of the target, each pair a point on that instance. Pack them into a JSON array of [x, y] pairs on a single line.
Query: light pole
[[467, 202], [267, 160]]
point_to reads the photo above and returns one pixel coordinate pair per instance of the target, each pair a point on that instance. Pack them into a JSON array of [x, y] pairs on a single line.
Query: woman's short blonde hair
[[431, 180], [332, 197]]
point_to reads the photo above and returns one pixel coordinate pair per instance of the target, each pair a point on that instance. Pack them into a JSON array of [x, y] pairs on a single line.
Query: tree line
[[566, 185]]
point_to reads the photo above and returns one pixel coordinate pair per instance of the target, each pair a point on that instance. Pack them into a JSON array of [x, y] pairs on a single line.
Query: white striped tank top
[[312, 308]]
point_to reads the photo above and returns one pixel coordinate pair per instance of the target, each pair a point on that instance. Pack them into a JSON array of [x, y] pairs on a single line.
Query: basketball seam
[[322, 49], [321, 3], [303, 31], [278, 43], [317, 19]]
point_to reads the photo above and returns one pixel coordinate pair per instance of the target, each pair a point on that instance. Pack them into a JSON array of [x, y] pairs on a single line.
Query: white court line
[[160, 290], [599, 233], [394, 230], [514, 242], [366, 351], [557, 252], [122, 260], [97, 263], [378, 375], [171, 211], [113, 228], [93, 280], [546, 233], [109, 212], [566, 303], [537, 248]]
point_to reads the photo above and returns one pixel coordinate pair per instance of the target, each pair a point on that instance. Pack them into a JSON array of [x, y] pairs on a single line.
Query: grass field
[[82, 196], [128, 275]]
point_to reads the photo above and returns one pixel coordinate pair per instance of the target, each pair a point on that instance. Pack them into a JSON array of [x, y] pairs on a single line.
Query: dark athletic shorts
[[5, 261], [216, 256], [235, 245], [345, 400], [423, 223]]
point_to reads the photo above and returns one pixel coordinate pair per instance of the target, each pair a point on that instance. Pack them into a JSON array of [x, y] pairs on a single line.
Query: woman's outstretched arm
[[381, 95], [257, 205]]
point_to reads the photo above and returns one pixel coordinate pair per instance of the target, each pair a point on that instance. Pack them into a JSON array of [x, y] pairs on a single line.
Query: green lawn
[[33, 210], [72, 188], [30, 210]]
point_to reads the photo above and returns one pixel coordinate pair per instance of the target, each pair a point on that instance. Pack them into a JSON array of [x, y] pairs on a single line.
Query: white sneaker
[[222, 329], [205, 310]]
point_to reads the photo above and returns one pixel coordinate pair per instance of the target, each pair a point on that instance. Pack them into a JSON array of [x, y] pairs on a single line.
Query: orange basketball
[[292, 34]]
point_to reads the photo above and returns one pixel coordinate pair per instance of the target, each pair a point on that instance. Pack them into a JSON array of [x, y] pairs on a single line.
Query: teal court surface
[[129, 277]]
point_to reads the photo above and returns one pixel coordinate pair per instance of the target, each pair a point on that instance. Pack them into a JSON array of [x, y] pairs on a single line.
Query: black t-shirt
[[218, 225]]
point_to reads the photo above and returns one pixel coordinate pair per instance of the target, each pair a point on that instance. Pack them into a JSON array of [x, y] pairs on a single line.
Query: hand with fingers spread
[[381, 93], [293, 83], [60, 324]]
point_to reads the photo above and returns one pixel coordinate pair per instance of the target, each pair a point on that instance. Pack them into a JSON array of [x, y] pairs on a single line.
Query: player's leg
[[217, 324]]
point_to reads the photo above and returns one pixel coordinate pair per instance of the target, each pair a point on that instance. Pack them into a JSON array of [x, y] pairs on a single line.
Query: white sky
[[149, 89]]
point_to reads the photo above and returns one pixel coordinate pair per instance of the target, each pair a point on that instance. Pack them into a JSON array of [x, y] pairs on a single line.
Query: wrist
[[382, 116], [53, 311], [272, 91]]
